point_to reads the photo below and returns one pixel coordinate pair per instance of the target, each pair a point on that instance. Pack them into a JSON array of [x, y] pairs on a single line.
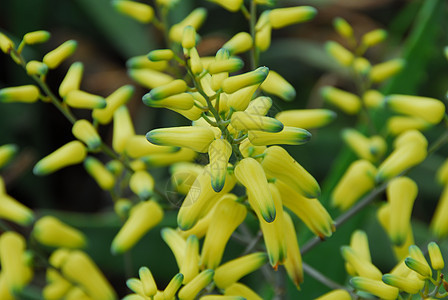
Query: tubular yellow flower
[[385, 70], [311, 211], [148, 284], [84, 131], [147, 62], [375, 287], [357, 180], [190, 264], [36, 37], [250, 174], [239, 289], [234, 83], [118, 98], [259, 106], [435, 255], [122, 207], [81, 99], [166, 159], [276, 85], [399, 124], [150, 78], [306, 118], [158, 55], [373, 99], [138, 146], [219, 153], [293, 260], [279, 164], [374, 37], [56, 289], [230, 5], [99, 172], [288, 136], [362, 267], [422, 269], [227, 216], [409, 285], [13, 210], [71, 153], [361, 66], [240, 42], [347, 102], [410, 152], [76, 293], [72, 80], [241, 99], [439, 222], [35, 67], [136, 10], [241, 120], [343, 28], [79, 268], [7, 153], [263, 34], [55, 57], [136, 286], [5, 43], [339, 294], [339, 53], [191, 289], [176, 243], [196, 64], [189, 37], [195, 19], [123, 129], [183, 175], [24, 93], [142, 184], [230, 272], [12, 249], [143, 216], [50, 231], [182, 101], [401, 194], [428, 109], [360, 245], [172, 88], [282, 17], [193, 137], [370, 149], [173, 286], [229, 65]]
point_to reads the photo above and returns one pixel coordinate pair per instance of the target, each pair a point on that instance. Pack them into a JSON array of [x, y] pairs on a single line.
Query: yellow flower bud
[[347, 102], [81, 99], [227, 65], [373, 99], [429, 109], [7, 153], [408, 285], [288, 136], [5, 43], [241, 99], [166, 159], [362, 146], [263, 31], [276, 85], [193, 137], [50, 231], [293, 260], [361, 66], [399, 124], [230, 5], [55, 57], [239, 289], [441, 175], [196, 18], [71, 153], [36, 37], [373, 37], [375, 287], [230, 272], [136, 286], [191, 289], [385, 70], [56, 289], [123, 129], [142, 184], [172, 88], [138, 146], [12, 249], [310, 211], [435, 256], [227, 216], [72, 80], [239, 43], [343, 28], [219, 153], [182, 101], [306, 118], [84, 131], [234, 83], [160, 55], [357, 180], [176, 243], [279, 164], [196, 64], [421, 268], [343, 56], [190, 264], [189, 37], [439, 222], [183, 175], [118, 98], [24, 93], [150, 78], [173, 286], [338, 294], [143, 216], [281, 17], [148, 284], [360, 245], [80, 269], [13, 210], [259, 106], [244, 121], [37, 68], [250, 174], [136, 10], [76, 293], [100, 173], [361, 266]]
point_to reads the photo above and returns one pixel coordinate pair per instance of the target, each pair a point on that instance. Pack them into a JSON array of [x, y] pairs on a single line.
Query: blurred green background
[[417, 31]]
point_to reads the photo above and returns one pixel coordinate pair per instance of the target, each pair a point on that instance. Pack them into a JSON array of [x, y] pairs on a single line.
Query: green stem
[[321, 277]]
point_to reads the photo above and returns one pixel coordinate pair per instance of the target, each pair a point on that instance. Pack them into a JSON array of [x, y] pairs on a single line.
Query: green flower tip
[[218, 184], [115, 249], [147, 100], [311, 13], [269, 214], [418, 267], [39, 170]]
